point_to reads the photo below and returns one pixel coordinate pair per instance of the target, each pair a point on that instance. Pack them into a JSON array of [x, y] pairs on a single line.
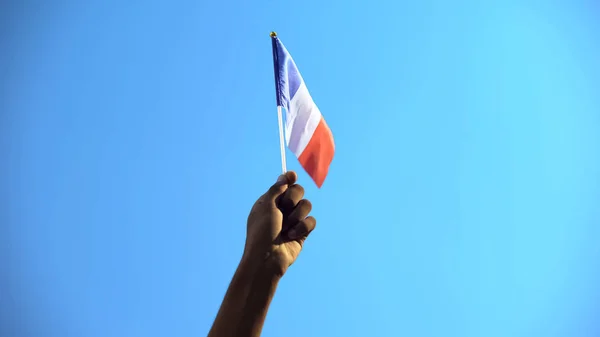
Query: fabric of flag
[[306, 133]]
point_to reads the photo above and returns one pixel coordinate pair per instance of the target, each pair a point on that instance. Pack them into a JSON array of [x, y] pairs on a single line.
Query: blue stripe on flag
[[289, 76]]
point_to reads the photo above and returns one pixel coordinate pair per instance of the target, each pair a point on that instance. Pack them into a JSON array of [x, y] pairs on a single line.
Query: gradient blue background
[[462, 201]]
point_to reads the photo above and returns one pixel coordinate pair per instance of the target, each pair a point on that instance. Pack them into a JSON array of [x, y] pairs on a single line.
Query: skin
[[278, 224]]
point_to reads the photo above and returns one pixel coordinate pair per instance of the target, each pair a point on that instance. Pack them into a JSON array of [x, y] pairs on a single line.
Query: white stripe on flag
[[301, 121]]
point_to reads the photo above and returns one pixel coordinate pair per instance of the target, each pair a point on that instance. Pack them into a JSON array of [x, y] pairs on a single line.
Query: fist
[[278, 225]]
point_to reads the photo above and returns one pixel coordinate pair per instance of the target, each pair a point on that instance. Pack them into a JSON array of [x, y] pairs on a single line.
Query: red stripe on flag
[[318, 154]]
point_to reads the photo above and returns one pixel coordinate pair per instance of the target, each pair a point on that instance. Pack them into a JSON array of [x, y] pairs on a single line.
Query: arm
[[246, 302], [278, 224]]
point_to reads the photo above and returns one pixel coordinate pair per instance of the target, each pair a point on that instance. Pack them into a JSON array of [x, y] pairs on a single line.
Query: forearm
[[246, 302]]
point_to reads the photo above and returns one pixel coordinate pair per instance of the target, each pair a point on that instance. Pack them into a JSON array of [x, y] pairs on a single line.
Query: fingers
[[288, 197], [302, 229], [281, 185], [288, 200], [299, 213]]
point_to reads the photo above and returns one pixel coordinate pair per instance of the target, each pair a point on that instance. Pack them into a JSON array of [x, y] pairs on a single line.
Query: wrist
[[260, 265]]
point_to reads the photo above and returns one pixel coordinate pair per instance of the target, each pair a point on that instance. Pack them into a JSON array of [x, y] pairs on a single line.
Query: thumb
[[282, 184]]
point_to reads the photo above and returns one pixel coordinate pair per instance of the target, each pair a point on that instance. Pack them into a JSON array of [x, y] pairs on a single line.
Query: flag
[[306, 132]]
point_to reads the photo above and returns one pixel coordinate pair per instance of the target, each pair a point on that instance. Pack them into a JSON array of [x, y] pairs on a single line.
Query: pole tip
[[273, 34]]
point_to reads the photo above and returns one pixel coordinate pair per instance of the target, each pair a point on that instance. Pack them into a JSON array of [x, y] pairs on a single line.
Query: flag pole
[[279, 108], [281, 140]]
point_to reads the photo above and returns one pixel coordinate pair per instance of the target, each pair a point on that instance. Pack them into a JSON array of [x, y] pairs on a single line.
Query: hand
[[278, 224]]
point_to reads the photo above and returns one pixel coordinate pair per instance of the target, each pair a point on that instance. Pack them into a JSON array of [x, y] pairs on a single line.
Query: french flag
[[306, 133]]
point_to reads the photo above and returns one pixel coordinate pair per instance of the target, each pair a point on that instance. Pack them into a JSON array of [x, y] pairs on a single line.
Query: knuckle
[[291, 197], [295, 192], [298, 189], [311, 223], [276, 189], [306, 204]]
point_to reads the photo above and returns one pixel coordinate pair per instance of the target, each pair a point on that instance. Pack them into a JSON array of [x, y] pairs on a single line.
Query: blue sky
[[135, 137]]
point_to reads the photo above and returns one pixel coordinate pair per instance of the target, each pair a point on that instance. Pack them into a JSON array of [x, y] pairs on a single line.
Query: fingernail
[[292, 233], [282, 179]]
